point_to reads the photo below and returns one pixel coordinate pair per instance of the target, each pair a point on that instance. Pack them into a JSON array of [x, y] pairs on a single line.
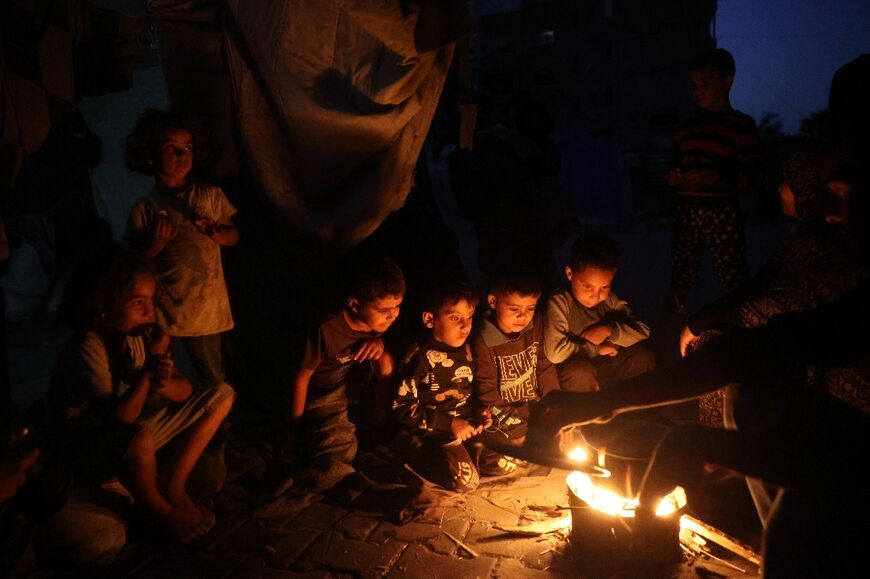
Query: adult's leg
[[577, 374], [761, 497], [206, 357], [727, 240]]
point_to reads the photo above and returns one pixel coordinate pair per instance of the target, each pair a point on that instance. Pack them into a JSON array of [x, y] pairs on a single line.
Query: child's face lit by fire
[[451, 324], [513, 311], [137, 307], [175, 158], [376, 315], [591, 285]]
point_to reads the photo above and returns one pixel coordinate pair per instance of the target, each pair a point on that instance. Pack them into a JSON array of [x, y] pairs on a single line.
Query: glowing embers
[[610, 503]]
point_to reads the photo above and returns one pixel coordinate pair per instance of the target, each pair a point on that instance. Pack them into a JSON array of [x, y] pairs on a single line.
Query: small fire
[[578, 454], [582, 485]]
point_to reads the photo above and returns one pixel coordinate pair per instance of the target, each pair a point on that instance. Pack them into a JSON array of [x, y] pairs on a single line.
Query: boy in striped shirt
[[717, 154]]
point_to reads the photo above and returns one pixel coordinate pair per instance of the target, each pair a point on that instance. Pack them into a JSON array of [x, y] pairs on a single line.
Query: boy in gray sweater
[[590, 334]]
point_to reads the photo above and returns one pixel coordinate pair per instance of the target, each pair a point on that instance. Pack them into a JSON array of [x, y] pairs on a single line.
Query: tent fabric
[[334, 102]]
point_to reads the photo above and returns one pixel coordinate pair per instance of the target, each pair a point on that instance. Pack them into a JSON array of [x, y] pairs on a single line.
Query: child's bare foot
[[185, 525], [181, 500], [206, 519]]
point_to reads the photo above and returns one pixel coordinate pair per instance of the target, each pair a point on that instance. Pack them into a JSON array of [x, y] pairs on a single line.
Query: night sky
[[787, 51]]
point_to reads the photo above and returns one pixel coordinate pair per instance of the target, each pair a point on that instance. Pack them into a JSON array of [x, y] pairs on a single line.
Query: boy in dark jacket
[[433, 404]]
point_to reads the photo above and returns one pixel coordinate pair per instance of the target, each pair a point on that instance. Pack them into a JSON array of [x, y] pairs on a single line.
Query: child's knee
[[578, 374], [223, 399], [642, 359]]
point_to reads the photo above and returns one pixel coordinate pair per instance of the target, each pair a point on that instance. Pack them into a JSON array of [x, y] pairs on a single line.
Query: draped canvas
[[333, 103]]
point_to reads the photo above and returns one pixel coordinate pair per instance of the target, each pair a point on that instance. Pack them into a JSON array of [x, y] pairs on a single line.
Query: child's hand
[[462, 429], [369, 349], [206, 226], [686, 338], [164, 231], [162, 370], [485, 419], [596, 334], [165, 367], [608, 349]]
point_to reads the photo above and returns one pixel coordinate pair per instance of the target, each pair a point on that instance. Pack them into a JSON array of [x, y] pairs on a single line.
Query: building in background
[[615, 69]]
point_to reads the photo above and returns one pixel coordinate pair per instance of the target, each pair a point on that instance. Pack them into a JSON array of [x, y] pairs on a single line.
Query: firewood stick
[[461, 544], [720, 538]]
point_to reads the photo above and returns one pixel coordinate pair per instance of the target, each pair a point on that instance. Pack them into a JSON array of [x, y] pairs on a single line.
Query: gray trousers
[[580, 374]]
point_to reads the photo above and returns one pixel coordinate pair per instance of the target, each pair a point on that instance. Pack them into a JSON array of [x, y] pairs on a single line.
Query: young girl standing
[[181, 225]]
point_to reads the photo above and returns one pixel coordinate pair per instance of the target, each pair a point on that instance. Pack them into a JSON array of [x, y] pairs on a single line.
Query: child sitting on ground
[[591, 335], [116, 398], [345, 339], [433, 405], [512, 371], [181, 225]]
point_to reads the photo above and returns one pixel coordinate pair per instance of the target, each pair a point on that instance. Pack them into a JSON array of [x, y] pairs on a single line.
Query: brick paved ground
[[306, 535]]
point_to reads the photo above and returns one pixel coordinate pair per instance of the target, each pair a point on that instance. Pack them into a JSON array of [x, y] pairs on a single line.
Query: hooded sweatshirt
[[512, 370]]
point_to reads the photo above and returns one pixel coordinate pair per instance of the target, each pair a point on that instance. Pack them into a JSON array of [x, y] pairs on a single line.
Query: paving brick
[[319, 516], [223, 528], [252, 538], [534, 552], [440, 514], [181, 563], [417, 532], [292, 545], [512, 569], [479, 508], [283, 510], [357, 525], [418, 562], [258, 569], [331, 551]]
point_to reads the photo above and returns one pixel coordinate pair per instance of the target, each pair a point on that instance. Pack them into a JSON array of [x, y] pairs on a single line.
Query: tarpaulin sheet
[[334, 102]]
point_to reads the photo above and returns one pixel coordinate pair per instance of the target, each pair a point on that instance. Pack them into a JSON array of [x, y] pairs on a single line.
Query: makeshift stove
[[604, 502], [607, 463]]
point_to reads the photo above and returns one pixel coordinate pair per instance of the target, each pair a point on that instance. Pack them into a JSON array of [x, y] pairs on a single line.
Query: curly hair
[[142, 146]]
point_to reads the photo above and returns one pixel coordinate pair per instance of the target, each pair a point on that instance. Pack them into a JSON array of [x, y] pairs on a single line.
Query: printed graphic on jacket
[[518, 375], [436, 386]]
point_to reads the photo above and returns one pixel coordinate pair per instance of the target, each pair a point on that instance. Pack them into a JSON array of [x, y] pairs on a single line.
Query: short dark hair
[[449, 291], [594, 249], [106, 304], [718, 58], [520, 280], [142, 146], [375, 278]]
